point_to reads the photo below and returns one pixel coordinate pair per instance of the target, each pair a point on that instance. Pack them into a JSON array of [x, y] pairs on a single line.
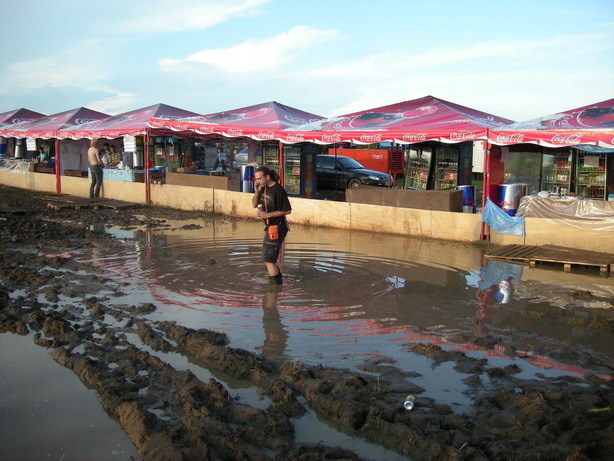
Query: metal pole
[[282, 178], [484, 228], [58, 176], [146, 165]]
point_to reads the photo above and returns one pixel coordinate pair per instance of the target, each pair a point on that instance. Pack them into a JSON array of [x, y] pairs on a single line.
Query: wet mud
[[171, 414]]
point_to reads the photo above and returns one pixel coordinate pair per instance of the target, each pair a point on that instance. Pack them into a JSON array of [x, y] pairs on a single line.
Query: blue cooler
[[468, 198], [509, 197], [247, 178]]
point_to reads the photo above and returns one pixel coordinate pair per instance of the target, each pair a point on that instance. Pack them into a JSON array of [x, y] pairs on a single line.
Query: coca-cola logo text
[[466, 135], [266, 134], [295, 138], [235, 132], [371, 137], [331, 138], [20, 120], [82, 120], [570, 139], [414, 137], [510, 137]]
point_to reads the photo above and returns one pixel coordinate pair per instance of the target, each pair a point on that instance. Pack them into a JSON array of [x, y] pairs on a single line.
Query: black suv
[[339, 172]]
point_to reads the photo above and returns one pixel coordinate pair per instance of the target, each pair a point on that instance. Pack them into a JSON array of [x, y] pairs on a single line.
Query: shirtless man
[[93, 158]]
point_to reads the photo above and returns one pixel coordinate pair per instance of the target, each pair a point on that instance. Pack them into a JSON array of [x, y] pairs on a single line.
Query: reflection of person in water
[[275, 336], [501, 293]]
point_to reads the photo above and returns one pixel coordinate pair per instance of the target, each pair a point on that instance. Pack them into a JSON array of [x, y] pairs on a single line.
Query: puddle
[[64, 420], [351, 299]]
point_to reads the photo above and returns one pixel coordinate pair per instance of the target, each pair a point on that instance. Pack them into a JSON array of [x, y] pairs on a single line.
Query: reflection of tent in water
[[496, 281], [495, 271]]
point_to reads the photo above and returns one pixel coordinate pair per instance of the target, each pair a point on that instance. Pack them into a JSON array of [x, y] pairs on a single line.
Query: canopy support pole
[[484, 228], [282, 178], [58, 169], [146, 164]]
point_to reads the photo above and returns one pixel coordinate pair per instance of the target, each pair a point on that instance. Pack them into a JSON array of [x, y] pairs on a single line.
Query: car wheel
[[354, 183]]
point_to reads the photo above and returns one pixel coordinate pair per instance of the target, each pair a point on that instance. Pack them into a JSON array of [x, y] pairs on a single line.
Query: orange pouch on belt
[[273, 231]]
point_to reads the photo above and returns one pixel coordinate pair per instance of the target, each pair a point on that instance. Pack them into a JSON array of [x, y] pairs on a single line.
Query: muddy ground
[[172, 415]]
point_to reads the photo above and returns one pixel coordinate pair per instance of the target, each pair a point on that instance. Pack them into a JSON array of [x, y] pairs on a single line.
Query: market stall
[[42, 132], [11, 147], [410, 122], [132, 135], [563, 154], [258, 125]]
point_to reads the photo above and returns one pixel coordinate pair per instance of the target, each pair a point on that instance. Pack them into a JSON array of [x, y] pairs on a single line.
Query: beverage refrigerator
[[556, 171], [418, 168], [270, 156], [591, 175], [292, 170], [446, 168], [300, 169]]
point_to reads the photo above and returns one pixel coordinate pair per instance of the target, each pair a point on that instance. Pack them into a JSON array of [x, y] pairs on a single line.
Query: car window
[[326, 163], [350, 163]]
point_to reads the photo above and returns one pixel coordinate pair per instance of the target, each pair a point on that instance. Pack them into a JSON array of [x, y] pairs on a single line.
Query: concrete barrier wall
[[197, 180], [321, 213], [182, 197]]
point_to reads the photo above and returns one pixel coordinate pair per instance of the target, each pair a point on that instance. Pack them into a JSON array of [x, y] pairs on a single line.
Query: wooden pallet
[[69, 205], [531, 255], [77, 203], [14, 211], [115, 204]]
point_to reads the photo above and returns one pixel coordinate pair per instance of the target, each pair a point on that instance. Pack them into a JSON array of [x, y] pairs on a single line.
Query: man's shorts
[[271, 248]]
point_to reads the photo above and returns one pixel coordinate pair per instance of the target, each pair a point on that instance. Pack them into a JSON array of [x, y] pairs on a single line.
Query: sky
[[513, 58]]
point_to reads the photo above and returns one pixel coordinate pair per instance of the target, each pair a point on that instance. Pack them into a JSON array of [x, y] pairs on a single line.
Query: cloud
[[492, 73], [61, 77], [77, 66], [180, 15], [115, 104], [255, 55]]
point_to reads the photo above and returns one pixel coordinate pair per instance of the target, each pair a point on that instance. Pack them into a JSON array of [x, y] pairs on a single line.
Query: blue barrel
[[468, 198], [510, 195], [247, 178]]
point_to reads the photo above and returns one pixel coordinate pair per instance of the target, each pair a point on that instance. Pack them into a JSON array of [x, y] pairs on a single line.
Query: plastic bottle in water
[[409, 402]]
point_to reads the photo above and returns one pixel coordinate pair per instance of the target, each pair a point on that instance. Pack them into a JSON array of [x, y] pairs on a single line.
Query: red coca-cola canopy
[[17, 117], [268, 115], [419, 120], [591, 125], [427, 113], [131, 123], [47, 127], [598, 116]]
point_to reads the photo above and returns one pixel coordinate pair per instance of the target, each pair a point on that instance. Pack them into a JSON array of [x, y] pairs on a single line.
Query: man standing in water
[[273, 206], [93, 158]]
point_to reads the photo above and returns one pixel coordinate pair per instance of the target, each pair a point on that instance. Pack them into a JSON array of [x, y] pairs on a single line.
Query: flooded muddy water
[[352, 298], [386, 306]]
